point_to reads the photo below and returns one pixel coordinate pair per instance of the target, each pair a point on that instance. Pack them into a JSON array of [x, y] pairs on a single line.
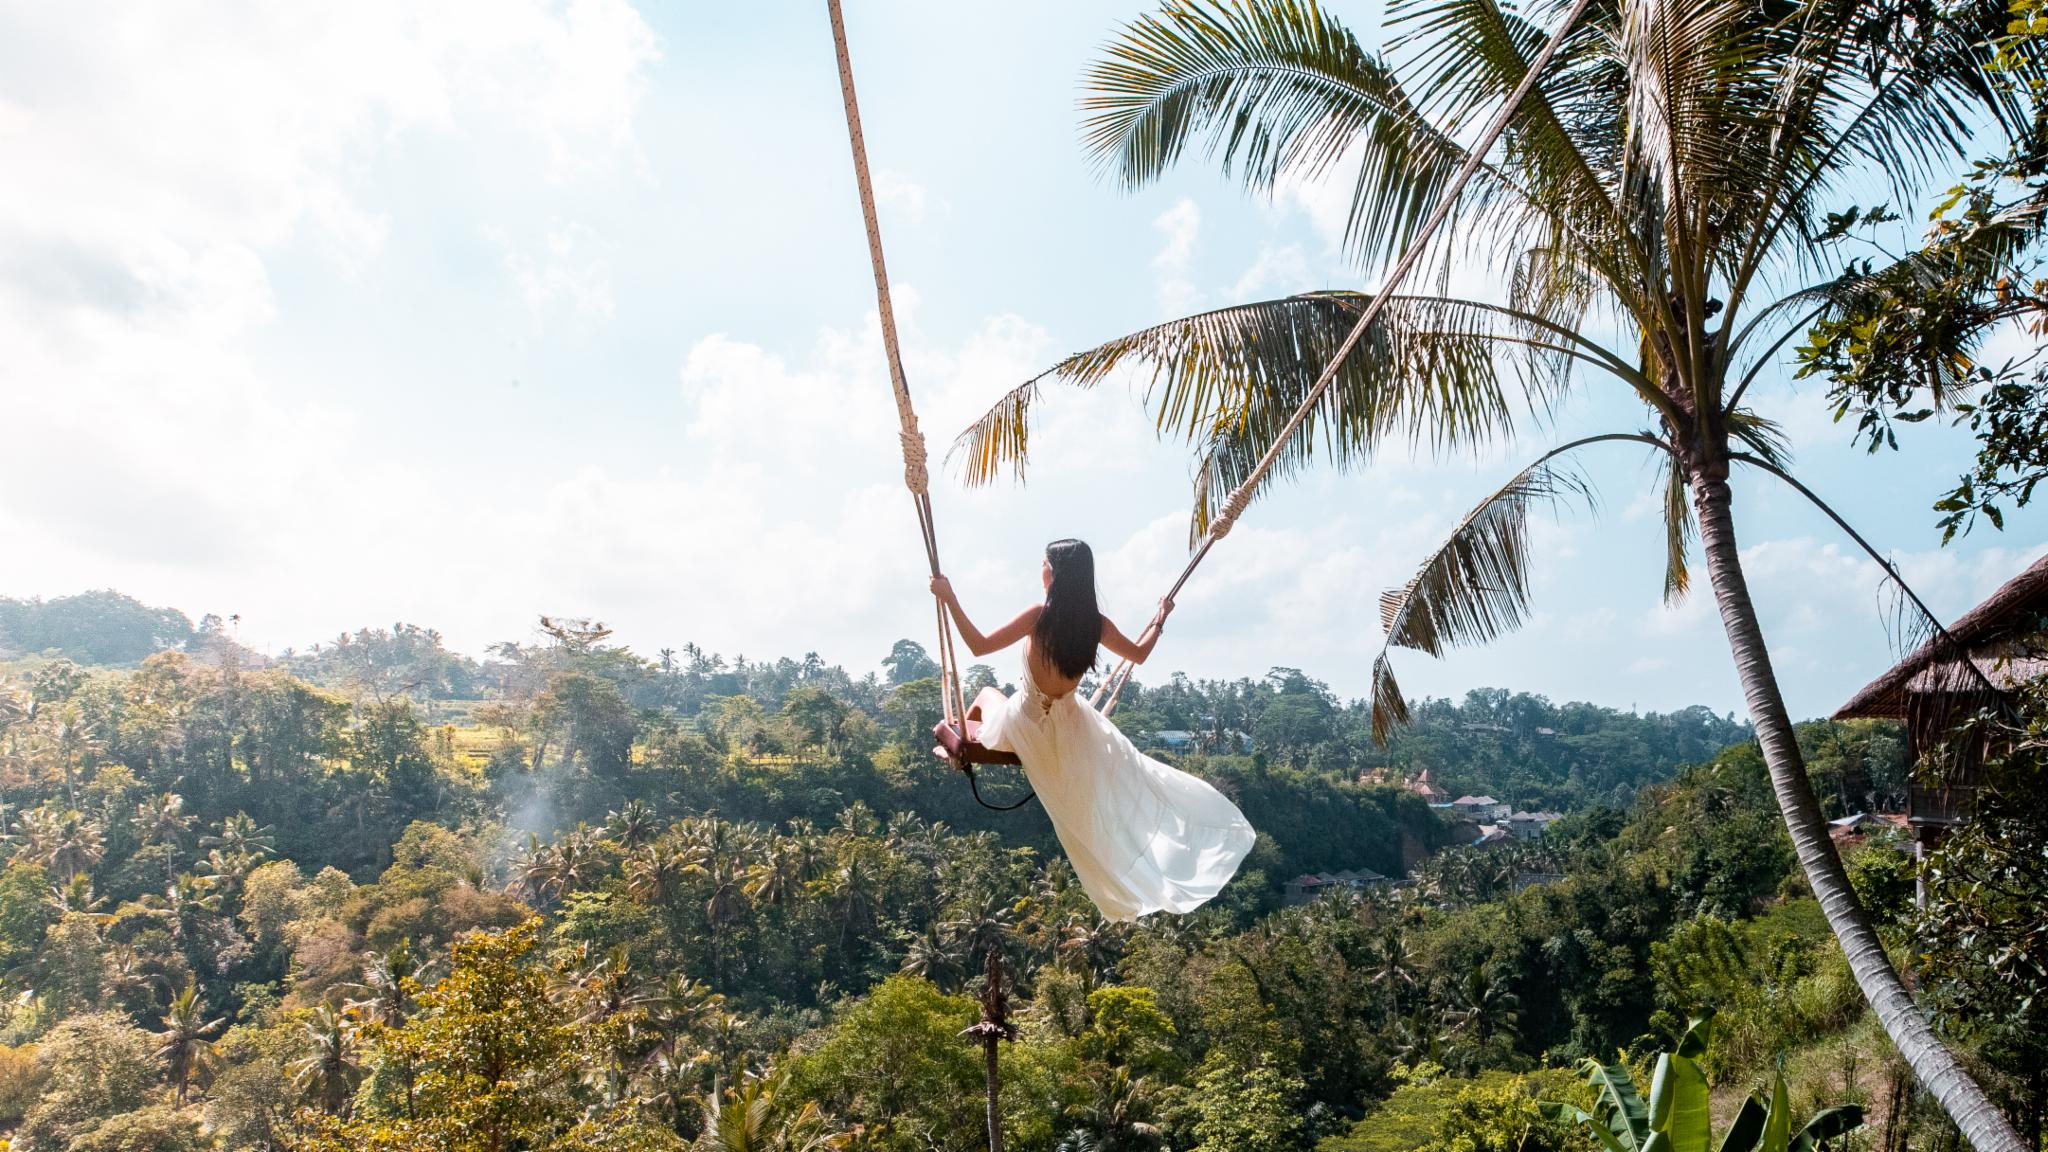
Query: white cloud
[[1826, 611], [162, 165], [1325, 200], [1181, 225], [793, 520], [570, 274], [1279, 271], [901, 194]]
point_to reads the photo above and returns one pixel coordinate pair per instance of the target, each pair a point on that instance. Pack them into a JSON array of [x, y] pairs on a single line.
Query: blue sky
[[332, 315]]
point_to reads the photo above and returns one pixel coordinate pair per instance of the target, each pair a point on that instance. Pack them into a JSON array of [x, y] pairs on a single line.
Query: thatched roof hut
[[1979, 660], [2001, 637]]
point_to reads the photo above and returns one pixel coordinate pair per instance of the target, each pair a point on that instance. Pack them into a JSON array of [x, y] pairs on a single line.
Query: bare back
[[1050, 680], [1055, 683]]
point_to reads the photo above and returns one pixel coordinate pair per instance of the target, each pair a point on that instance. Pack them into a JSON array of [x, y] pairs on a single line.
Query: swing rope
[[914, 471], [1241, 496], [916, 477]]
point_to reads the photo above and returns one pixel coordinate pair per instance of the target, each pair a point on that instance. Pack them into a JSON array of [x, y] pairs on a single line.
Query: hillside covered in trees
[[379, 894]]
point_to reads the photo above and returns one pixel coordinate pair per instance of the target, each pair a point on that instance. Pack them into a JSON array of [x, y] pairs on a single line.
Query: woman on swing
[[1143, 837]]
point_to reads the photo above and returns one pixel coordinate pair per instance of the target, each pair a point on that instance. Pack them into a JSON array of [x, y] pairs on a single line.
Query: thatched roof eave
[[1935, 668]]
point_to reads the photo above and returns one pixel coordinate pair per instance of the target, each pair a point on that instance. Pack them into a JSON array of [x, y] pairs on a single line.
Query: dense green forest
[[379, 894]]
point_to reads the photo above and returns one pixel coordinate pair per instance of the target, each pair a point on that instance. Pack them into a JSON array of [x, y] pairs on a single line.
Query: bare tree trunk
[[992, 1029], [1960, 1096]]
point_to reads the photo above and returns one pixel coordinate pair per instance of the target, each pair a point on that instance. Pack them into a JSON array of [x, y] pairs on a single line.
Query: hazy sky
[[335, 314]]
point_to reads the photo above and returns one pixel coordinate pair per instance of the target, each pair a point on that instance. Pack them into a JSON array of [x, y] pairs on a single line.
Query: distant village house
[[1484, 809], [1307, 886]]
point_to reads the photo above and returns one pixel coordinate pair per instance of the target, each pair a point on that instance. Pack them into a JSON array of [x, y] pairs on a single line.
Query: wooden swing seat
[[959, 742]]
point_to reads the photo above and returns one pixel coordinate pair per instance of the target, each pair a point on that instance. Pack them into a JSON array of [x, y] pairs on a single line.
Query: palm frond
[[1760, 435], [1680, 530], [1551, 283], [1256, 347], [1278, 88], [1438, 372], [1227, 382], [1000, 440], [1863, 89], [1475, 586], [1471, 54], [1692, 97]]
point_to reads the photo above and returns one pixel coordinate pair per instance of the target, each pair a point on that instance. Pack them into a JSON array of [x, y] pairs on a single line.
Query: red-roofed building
[[1430, 793]]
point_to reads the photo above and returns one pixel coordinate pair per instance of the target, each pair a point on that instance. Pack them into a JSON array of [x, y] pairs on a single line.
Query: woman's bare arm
[[977, 643], [1114, 639]]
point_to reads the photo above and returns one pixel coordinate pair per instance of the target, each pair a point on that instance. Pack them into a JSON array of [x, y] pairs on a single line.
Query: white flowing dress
[[1143, 836]]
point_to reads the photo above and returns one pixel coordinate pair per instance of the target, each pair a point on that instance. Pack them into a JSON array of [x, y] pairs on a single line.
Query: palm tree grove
[[1654, 386]]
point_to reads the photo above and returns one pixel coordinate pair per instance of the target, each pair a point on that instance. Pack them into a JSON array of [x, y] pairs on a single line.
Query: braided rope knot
[[914, 475], [1233, 506]]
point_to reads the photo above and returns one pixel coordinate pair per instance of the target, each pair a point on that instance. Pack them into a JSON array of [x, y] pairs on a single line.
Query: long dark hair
[[1070, 628]]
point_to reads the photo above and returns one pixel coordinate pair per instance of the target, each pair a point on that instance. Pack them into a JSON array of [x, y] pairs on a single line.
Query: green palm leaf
[[1278, 88], [1444, 373], [1470, 54], [1472, 589], [1475, 586]]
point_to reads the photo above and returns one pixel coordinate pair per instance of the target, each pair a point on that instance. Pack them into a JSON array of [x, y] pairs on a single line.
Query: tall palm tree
[[537, 872], [1093, 945], [578, 860], [240, 835], [68, 843], [779, 876], [1668, 180], [933, 956], [717, 854], [330, 1070], [811, 850], [1393, 969], [654, 872], [610, 996], [1119, 1117], [855, 895], [608, 984], [186, 1042], [632, 825], [391, 979], [680, 1006], [1478, 1006], [61, 736], [748, 1119], [161, 820], [983, 925]]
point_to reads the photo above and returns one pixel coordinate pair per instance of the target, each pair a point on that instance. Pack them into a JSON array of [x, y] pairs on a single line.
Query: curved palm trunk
[[1980, 1121]]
